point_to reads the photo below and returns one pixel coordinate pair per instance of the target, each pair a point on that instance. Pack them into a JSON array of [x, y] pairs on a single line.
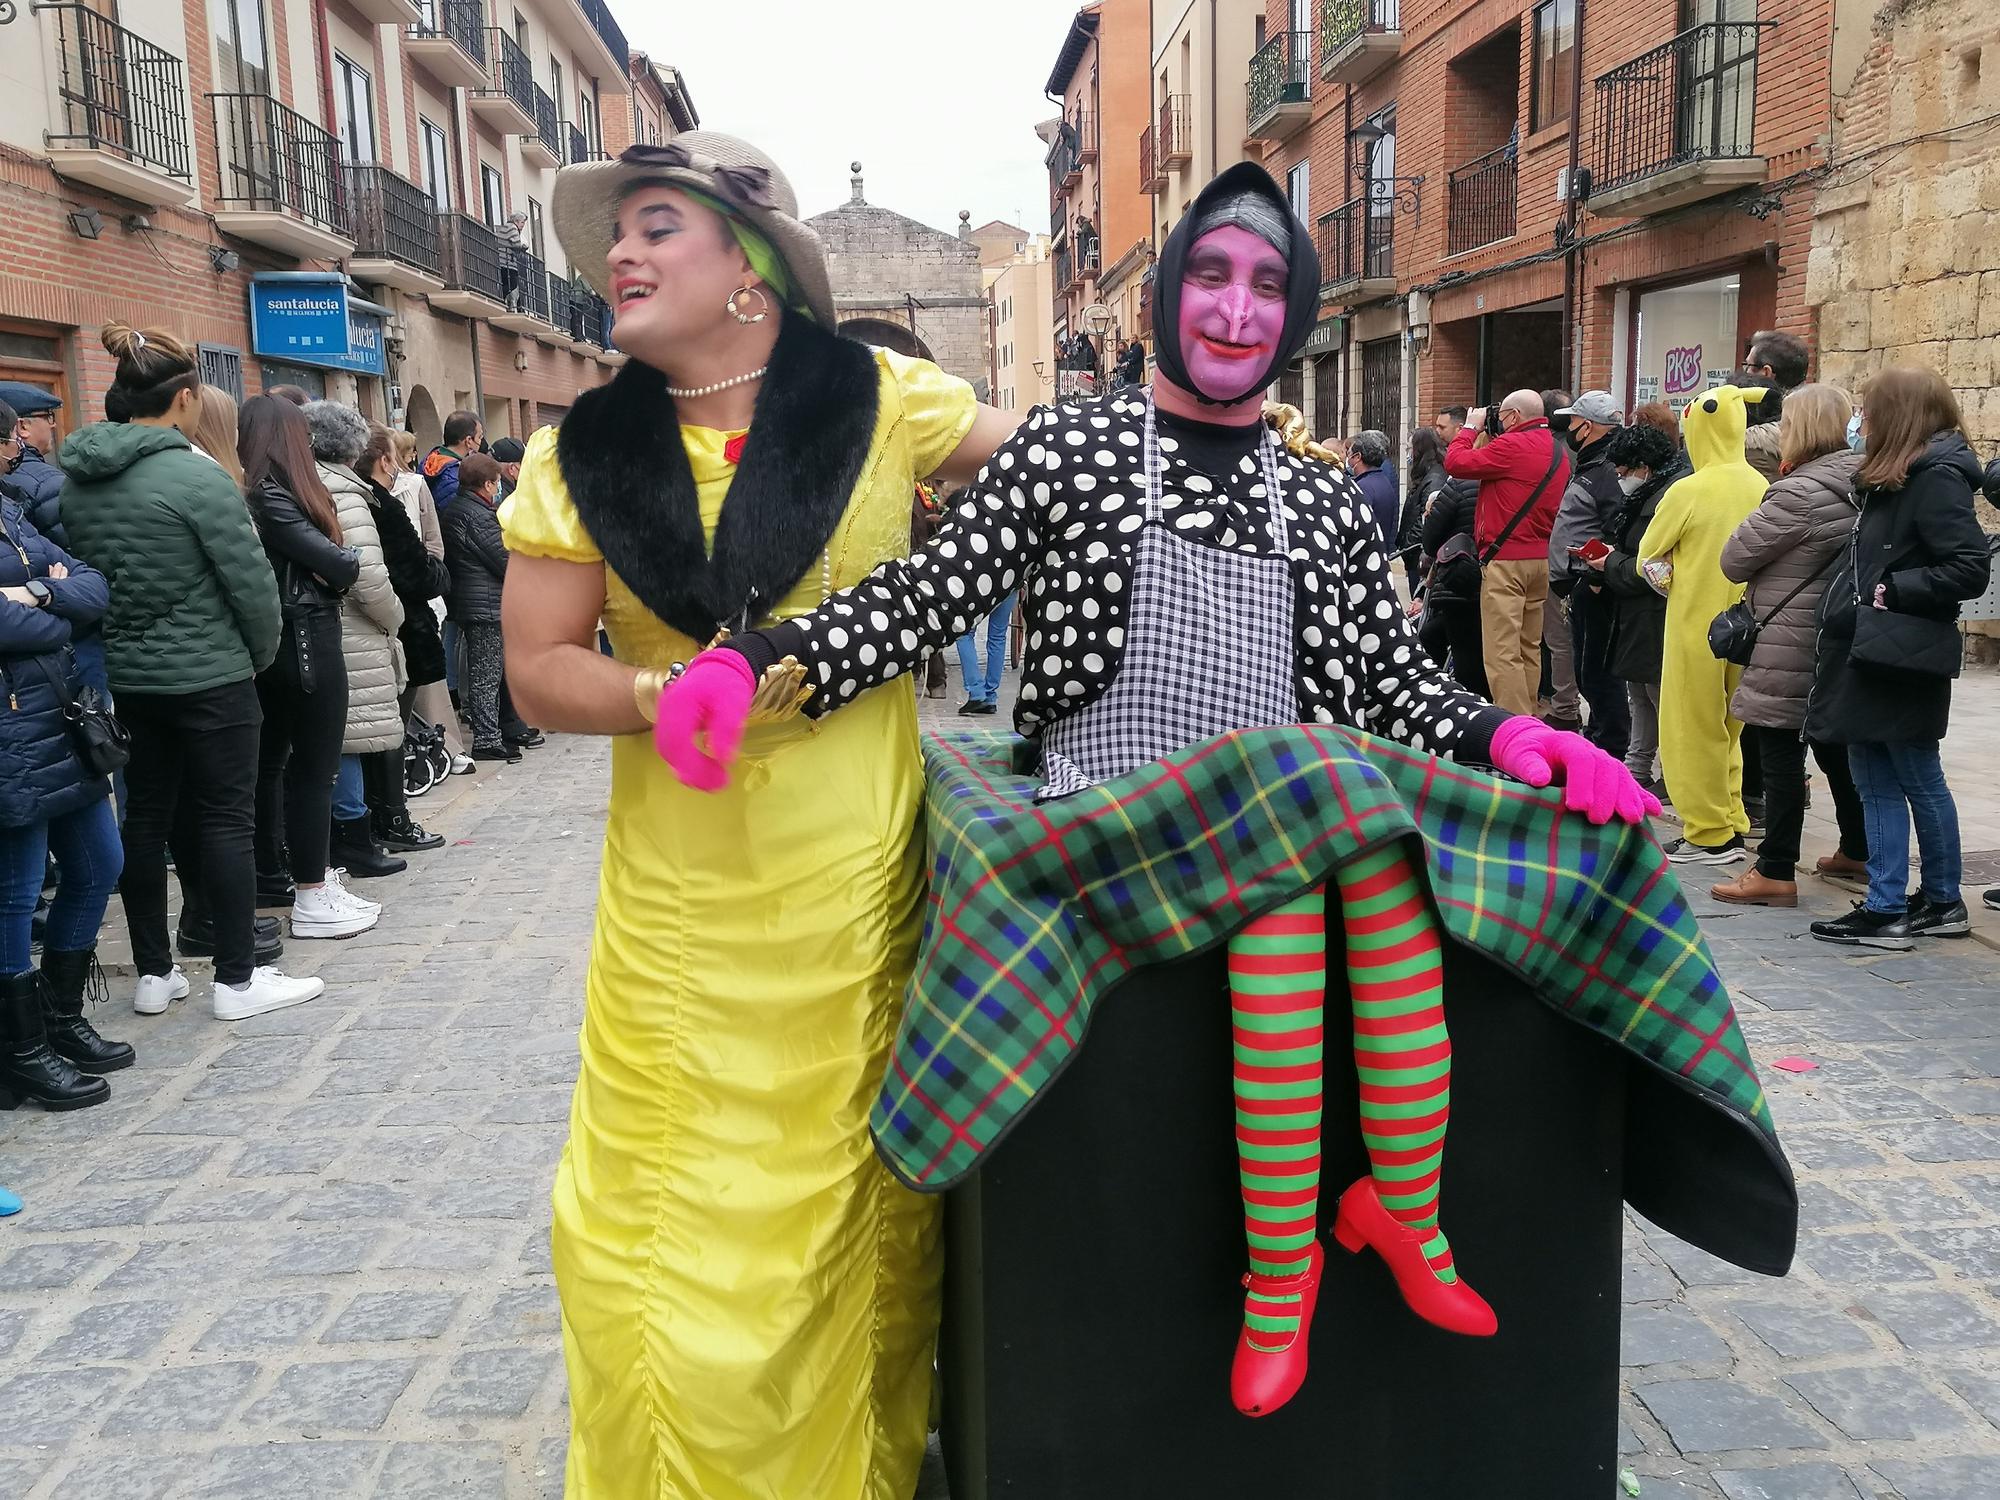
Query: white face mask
[[1630, 483]]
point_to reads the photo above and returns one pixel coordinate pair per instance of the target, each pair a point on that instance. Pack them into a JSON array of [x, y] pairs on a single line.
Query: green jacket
[[194, 604]]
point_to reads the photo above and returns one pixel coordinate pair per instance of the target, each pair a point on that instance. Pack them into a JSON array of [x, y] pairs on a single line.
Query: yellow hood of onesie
[[1714, 423]]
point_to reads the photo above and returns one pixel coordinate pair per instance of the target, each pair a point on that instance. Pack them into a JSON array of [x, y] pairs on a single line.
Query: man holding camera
[[1522, 470]]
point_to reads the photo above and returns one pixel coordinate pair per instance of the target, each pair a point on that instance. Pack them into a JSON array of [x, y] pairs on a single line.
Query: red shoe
[[1451, 1305], [1261, 1381]]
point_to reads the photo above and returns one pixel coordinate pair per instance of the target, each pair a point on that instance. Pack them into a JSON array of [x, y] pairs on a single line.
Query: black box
[[1093, 1286]]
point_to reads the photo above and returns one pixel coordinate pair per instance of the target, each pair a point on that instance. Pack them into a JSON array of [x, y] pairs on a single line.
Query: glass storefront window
[[311, 381], [1687, 341]]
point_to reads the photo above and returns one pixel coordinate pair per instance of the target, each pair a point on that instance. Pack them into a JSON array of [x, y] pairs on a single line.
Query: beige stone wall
[[1906, 238]]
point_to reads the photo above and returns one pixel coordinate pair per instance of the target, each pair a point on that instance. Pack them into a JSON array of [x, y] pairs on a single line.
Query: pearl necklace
[[720, 385]]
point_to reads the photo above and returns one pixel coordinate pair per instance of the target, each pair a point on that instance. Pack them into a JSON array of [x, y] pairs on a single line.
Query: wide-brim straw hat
[[588, 195]]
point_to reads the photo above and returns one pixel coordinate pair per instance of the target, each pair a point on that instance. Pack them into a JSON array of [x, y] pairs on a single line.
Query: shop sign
[[312, 323]]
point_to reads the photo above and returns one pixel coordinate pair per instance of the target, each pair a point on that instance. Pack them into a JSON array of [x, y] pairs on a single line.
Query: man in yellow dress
[[749, 1299]]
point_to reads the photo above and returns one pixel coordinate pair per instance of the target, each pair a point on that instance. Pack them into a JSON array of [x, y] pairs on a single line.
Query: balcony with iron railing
[[473, 257], [449, 39], [1064, 162], [524, 281], [1058, 223], [599, 33], [1176, 135], [395, 231], [1089, 256], [1064, 275], [1357, 249], [121, 112], [1678, 124], [278, 178], [562, 308], [593, 320], [1358, 38], [1280, 103], [1084, 124], [577, 146], [545, 147], [506, 100], [1151, 178], [1480, 200]]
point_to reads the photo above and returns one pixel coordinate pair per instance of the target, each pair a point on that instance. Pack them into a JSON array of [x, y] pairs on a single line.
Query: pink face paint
[[1233, 292]]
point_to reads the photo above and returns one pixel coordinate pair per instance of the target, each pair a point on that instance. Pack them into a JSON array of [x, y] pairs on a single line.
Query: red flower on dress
[[732, 451]]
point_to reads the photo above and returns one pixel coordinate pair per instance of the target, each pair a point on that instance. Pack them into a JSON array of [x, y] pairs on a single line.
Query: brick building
[[906, 286], [1100, 213], [1437, 143], [308, 189]]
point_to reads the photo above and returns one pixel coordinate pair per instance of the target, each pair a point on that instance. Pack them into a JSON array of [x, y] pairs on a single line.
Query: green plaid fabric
[[1037, 910]]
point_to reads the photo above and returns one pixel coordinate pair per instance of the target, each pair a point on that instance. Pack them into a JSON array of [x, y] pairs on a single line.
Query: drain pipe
[[323, 46], [1571, 350]]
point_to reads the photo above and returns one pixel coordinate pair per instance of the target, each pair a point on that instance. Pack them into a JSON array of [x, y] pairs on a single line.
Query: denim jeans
[[90, 858], [350, 791], [1901, 783], [984, 687]]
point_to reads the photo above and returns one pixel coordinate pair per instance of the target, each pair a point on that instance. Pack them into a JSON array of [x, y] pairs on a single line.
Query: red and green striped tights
[[1402, 1054]]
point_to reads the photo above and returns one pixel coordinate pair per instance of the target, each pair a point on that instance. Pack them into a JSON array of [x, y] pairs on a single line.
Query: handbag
[[1733, 634], [1886, 640], [102, 743], [1889, 641]]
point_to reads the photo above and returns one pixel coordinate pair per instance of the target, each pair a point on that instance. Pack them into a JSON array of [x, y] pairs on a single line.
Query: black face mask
[[1301, 298]]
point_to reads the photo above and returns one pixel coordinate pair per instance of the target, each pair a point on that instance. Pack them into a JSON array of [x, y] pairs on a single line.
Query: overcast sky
[[938, 99]]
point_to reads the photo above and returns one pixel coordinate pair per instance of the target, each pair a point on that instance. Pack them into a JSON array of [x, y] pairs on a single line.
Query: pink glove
[[702, 714], [1594, 783]]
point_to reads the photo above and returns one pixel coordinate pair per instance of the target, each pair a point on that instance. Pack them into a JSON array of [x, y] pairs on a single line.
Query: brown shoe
[[1754, 889], [1840, 867]]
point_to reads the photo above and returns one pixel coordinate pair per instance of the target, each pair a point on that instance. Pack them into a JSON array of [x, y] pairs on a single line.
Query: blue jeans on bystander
[[350, 791], [1901, 783], [90, 858], [984, 686]]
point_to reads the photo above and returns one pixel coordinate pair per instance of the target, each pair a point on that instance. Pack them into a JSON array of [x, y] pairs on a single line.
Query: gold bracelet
[[646, 690]]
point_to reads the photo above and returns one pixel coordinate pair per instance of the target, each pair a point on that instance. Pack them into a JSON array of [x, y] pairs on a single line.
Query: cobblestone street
[[306, 1255]]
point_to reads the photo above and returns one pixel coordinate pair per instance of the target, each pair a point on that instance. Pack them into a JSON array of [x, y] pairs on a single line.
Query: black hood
[[1302, 305]]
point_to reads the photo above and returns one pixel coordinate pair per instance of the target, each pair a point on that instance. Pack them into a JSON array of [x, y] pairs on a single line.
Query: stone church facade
[[907, 286]]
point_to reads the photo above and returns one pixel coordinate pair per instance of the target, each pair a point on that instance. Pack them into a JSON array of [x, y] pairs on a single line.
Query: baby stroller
[[426, 758]]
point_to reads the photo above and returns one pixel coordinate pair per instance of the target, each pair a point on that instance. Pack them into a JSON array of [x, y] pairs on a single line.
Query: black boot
[[402, 833], [195, 937], [28, 1069], [355, 852], [66, 979]]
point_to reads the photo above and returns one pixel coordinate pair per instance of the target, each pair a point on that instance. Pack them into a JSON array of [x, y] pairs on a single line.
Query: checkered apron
[[1208, 647]]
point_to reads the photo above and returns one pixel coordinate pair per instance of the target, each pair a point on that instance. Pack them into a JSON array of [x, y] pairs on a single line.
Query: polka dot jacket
[[1057, 513]]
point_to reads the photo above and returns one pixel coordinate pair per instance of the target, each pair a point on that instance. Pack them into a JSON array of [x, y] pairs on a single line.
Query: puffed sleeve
[[938, 408], [538, 519]]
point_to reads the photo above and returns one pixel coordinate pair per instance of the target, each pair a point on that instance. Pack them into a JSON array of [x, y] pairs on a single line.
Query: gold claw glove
[[1290, 425], [781, 693]]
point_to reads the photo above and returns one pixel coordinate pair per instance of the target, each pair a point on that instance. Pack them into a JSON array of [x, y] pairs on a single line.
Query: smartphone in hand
[[1591, 550]]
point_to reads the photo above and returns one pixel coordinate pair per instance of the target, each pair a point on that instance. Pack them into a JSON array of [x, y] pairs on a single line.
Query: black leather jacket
[[313, 570]]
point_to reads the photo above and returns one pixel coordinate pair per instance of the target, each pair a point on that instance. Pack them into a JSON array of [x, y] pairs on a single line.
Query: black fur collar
[[628, 476]]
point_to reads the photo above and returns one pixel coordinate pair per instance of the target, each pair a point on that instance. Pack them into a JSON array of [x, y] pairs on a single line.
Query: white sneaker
[[267, 990], [463, 765], [158, 991], [322, 914], [336, 882]]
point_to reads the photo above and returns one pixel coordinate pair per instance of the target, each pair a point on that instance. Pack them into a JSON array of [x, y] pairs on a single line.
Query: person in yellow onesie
[[749, 1299], [1700, 743]]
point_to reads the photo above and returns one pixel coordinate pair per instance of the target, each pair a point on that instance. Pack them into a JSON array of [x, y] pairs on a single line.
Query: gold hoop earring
[[763, 305]]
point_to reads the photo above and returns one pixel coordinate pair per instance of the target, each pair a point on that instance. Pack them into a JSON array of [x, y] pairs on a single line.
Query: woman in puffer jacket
[[417, 578], [1786, 552], [370, 618], [49, 800]]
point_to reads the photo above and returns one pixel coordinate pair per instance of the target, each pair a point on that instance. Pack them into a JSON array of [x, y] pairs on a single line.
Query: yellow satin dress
[[749, 1300]]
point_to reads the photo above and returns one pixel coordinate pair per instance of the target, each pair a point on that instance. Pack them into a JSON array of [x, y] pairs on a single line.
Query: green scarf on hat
[[764, 260]]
